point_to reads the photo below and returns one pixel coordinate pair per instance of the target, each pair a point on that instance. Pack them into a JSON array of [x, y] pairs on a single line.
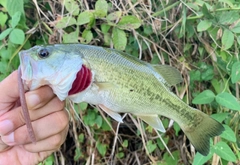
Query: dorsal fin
[[171, 75]]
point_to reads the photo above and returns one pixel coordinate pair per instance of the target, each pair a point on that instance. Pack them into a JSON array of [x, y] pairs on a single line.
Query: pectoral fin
[[154, 121], [105, 85], [169, 73], [111, 113]]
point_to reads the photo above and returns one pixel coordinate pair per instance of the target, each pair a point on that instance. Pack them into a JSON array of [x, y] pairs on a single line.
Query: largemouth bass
[[118, 83]]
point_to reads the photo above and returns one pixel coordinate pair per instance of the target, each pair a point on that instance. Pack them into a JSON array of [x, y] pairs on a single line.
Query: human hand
[[49, 120]]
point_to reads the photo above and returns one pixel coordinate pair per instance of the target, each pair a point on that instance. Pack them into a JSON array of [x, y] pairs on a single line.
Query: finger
[[9, 92], [39, 97], [51, 143], [3, 146], [15, 119], [43, 127], [24, 158]]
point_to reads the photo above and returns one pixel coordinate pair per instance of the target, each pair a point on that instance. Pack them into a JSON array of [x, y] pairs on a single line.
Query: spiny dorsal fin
[[169, 73]]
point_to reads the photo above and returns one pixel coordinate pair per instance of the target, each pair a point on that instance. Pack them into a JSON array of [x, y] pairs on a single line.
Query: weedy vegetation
[[201, 38]]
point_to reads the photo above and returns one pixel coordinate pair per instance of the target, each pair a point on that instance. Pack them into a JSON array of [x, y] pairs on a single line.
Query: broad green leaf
[[89, 119], [81, 138], [84, 17], [220, 116], [65, 22], [217, 85], [206, 12], [177, 128], [87, 35], [5, 33], [129, 22], [71, 37], [204, 97], [236, 28], [102, 148], [15, 19], [229, 2], [238, 40], [200, 159], [17, 36], [119, 39], [78, 154], [168, 160], [114, 16], [107, 39], [235, 72], [3, 18], [101, 8], [105, 28], [120, 155], [224, 151], [49, 160], [155, 59], [147, 29], [160, 144], [228, 100], [195, 75], [228, 134], [193, 6], [228, 17], [105, 126], [83, 105], [204, 25], [5, 54], [72, 7], [99, 121], [125, 143], [151, 146], [14, 6], [207, 73], [3, 67], [4, 3], [227, 39]]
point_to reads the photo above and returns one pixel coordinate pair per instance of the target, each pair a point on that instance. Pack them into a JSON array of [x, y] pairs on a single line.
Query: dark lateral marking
[[82, 81], [24, 107], [131, 90]]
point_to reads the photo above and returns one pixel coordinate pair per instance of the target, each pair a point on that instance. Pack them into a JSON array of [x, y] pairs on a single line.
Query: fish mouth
[[82, 81], [25, 66]]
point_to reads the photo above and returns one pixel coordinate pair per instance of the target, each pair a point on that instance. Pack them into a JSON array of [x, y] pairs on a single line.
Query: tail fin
[[201, 134]]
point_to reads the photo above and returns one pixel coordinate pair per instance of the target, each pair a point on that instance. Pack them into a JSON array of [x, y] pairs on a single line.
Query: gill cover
[[50, 65]]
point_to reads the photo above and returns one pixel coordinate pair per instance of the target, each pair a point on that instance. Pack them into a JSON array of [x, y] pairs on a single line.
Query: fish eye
[[43, 53]]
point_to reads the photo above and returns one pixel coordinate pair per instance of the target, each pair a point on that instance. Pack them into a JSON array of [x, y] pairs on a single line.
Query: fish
[[118, 83]]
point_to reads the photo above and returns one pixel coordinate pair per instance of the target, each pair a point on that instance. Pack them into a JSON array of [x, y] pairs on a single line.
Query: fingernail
[[5, 127], [32, 100], [8, 139]]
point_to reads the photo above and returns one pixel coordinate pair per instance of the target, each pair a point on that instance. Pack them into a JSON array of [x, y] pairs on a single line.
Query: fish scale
[[120, 83]]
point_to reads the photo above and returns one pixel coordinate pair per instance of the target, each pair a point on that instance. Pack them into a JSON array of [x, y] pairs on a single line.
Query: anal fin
[[111, 113], [154, 121]]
